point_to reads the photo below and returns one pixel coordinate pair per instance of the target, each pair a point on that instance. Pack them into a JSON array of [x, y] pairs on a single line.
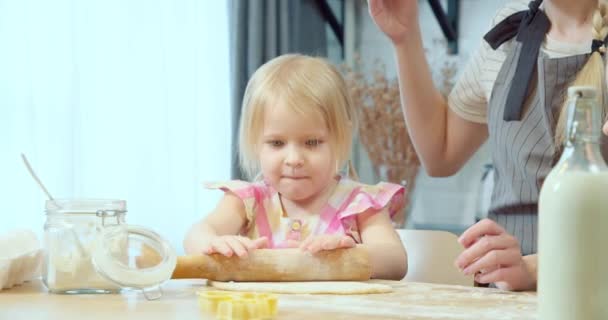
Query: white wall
[[114, 99], [447, 203]]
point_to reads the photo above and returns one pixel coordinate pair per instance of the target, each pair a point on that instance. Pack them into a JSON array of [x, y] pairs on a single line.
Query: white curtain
[[114, 99]]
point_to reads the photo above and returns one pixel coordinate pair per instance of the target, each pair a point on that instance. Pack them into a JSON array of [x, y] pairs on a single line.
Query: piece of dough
[[312, 287]]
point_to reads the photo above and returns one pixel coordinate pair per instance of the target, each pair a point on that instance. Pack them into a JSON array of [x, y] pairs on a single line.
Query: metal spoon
[[48, 194], [29, 168]]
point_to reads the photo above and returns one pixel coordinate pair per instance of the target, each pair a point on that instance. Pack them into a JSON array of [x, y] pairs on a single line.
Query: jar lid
[[134, 257], [85, 205]]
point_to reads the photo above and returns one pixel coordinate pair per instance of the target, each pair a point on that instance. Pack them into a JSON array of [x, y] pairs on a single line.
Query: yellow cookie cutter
[[238, 305]]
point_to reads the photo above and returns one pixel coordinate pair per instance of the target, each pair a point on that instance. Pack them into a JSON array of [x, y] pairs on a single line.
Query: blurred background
[[140, 100]]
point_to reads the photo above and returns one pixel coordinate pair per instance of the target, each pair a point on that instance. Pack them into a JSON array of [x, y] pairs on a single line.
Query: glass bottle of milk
[[573, 220]]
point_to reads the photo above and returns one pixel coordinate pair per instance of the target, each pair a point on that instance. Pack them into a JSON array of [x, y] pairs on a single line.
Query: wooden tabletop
[[409, 301]]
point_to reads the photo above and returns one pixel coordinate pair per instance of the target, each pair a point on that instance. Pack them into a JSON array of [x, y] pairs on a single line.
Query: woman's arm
[[443, 140]]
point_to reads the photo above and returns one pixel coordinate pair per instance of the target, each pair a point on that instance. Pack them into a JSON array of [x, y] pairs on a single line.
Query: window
[[115, 99]]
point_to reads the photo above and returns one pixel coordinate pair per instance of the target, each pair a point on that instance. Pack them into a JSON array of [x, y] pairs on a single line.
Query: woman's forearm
[[444, 141], [424, 106]]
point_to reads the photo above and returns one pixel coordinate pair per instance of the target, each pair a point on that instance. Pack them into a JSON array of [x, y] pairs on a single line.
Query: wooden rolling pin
[[278, 265]]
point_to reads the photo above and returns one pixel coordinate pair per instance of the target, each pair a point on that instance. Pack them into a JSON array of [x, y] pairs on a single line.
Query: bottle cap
[[586, 92]]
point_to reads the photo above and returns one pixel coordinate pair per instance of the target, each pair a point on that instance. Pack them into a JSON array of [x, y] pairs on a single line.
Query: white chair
[[431, 255]]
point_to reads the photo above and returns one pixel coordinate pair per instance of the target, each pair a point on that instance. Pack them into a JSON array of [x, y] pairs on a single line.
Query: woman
[[512, 93]]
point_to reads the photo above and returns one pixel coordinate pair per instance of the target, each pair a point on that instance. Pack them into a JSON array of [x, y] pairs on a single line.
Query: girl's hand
[[314, 244], [395, 17], [494, 256], [230, 245]]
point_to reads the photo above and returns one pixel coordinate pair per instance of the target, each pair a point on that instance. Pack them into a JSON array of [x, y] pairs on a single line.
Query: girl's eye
[[275, 143], [313, 142]]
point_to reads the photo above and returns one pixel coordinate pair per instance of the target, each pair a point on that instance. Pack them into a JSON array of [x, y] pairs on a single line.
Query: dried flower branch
[[382, 128]]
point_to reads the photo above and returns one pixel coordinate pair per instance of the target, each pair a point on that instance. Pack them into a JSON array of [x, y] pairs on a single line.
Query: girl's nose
[[294, 158]]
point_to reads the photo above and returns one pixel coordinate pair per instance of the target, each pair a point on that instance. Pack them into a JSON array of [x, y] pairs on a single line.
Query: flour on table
[[312, 287]]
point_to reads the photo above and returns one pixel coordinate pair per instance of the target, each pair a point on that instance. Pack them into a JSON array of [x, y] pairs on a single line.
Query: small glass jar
[[71, 230], [90, 249]]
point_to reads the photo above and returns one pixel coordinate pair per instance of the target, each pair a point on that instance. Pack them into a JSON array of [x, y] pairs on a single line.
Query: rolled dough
[[311, 287]]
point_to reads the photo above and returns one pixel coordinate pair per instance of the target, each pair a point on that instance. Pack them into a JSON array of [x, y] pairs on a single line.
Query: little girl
[[296, 131]]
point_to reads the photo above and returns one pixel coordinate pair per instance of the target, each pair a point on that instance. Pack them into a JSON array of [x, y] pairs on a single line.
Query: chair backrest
[[431, 255]]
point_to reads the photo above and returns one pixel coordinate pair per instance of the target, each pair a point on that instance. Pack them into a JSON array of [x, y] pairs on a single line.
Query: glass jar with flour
[[89, 248]]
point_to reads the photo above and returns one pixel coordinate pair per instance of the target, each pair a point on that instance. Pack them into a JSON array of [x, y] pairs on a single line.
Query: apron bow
[[530, 26]]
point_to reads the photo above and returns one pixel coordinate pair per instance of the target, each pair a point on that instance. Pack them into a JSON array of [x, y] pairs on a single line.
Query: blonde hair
[[592, 74], [307, 85]]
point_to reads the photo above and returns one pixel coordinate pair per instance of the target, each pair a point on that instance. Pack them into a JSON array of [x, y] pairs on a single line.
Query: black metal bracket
[[448, 22], [330, 17]]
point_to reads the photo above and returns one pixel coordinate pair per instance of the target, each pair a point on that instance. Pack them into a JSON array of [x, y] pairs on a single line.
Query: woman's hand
[[494, 256], [314, 244], [395, 17], [230, 245]]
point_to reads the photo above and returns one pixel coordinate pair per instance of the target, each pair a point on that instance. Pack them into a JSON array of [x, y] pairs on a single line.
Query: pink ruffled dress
[[266, 217]]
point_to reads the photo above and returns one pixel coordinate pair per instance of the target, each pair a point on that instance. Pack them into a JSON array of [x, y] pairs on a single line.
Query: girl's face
[[295, 154]]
